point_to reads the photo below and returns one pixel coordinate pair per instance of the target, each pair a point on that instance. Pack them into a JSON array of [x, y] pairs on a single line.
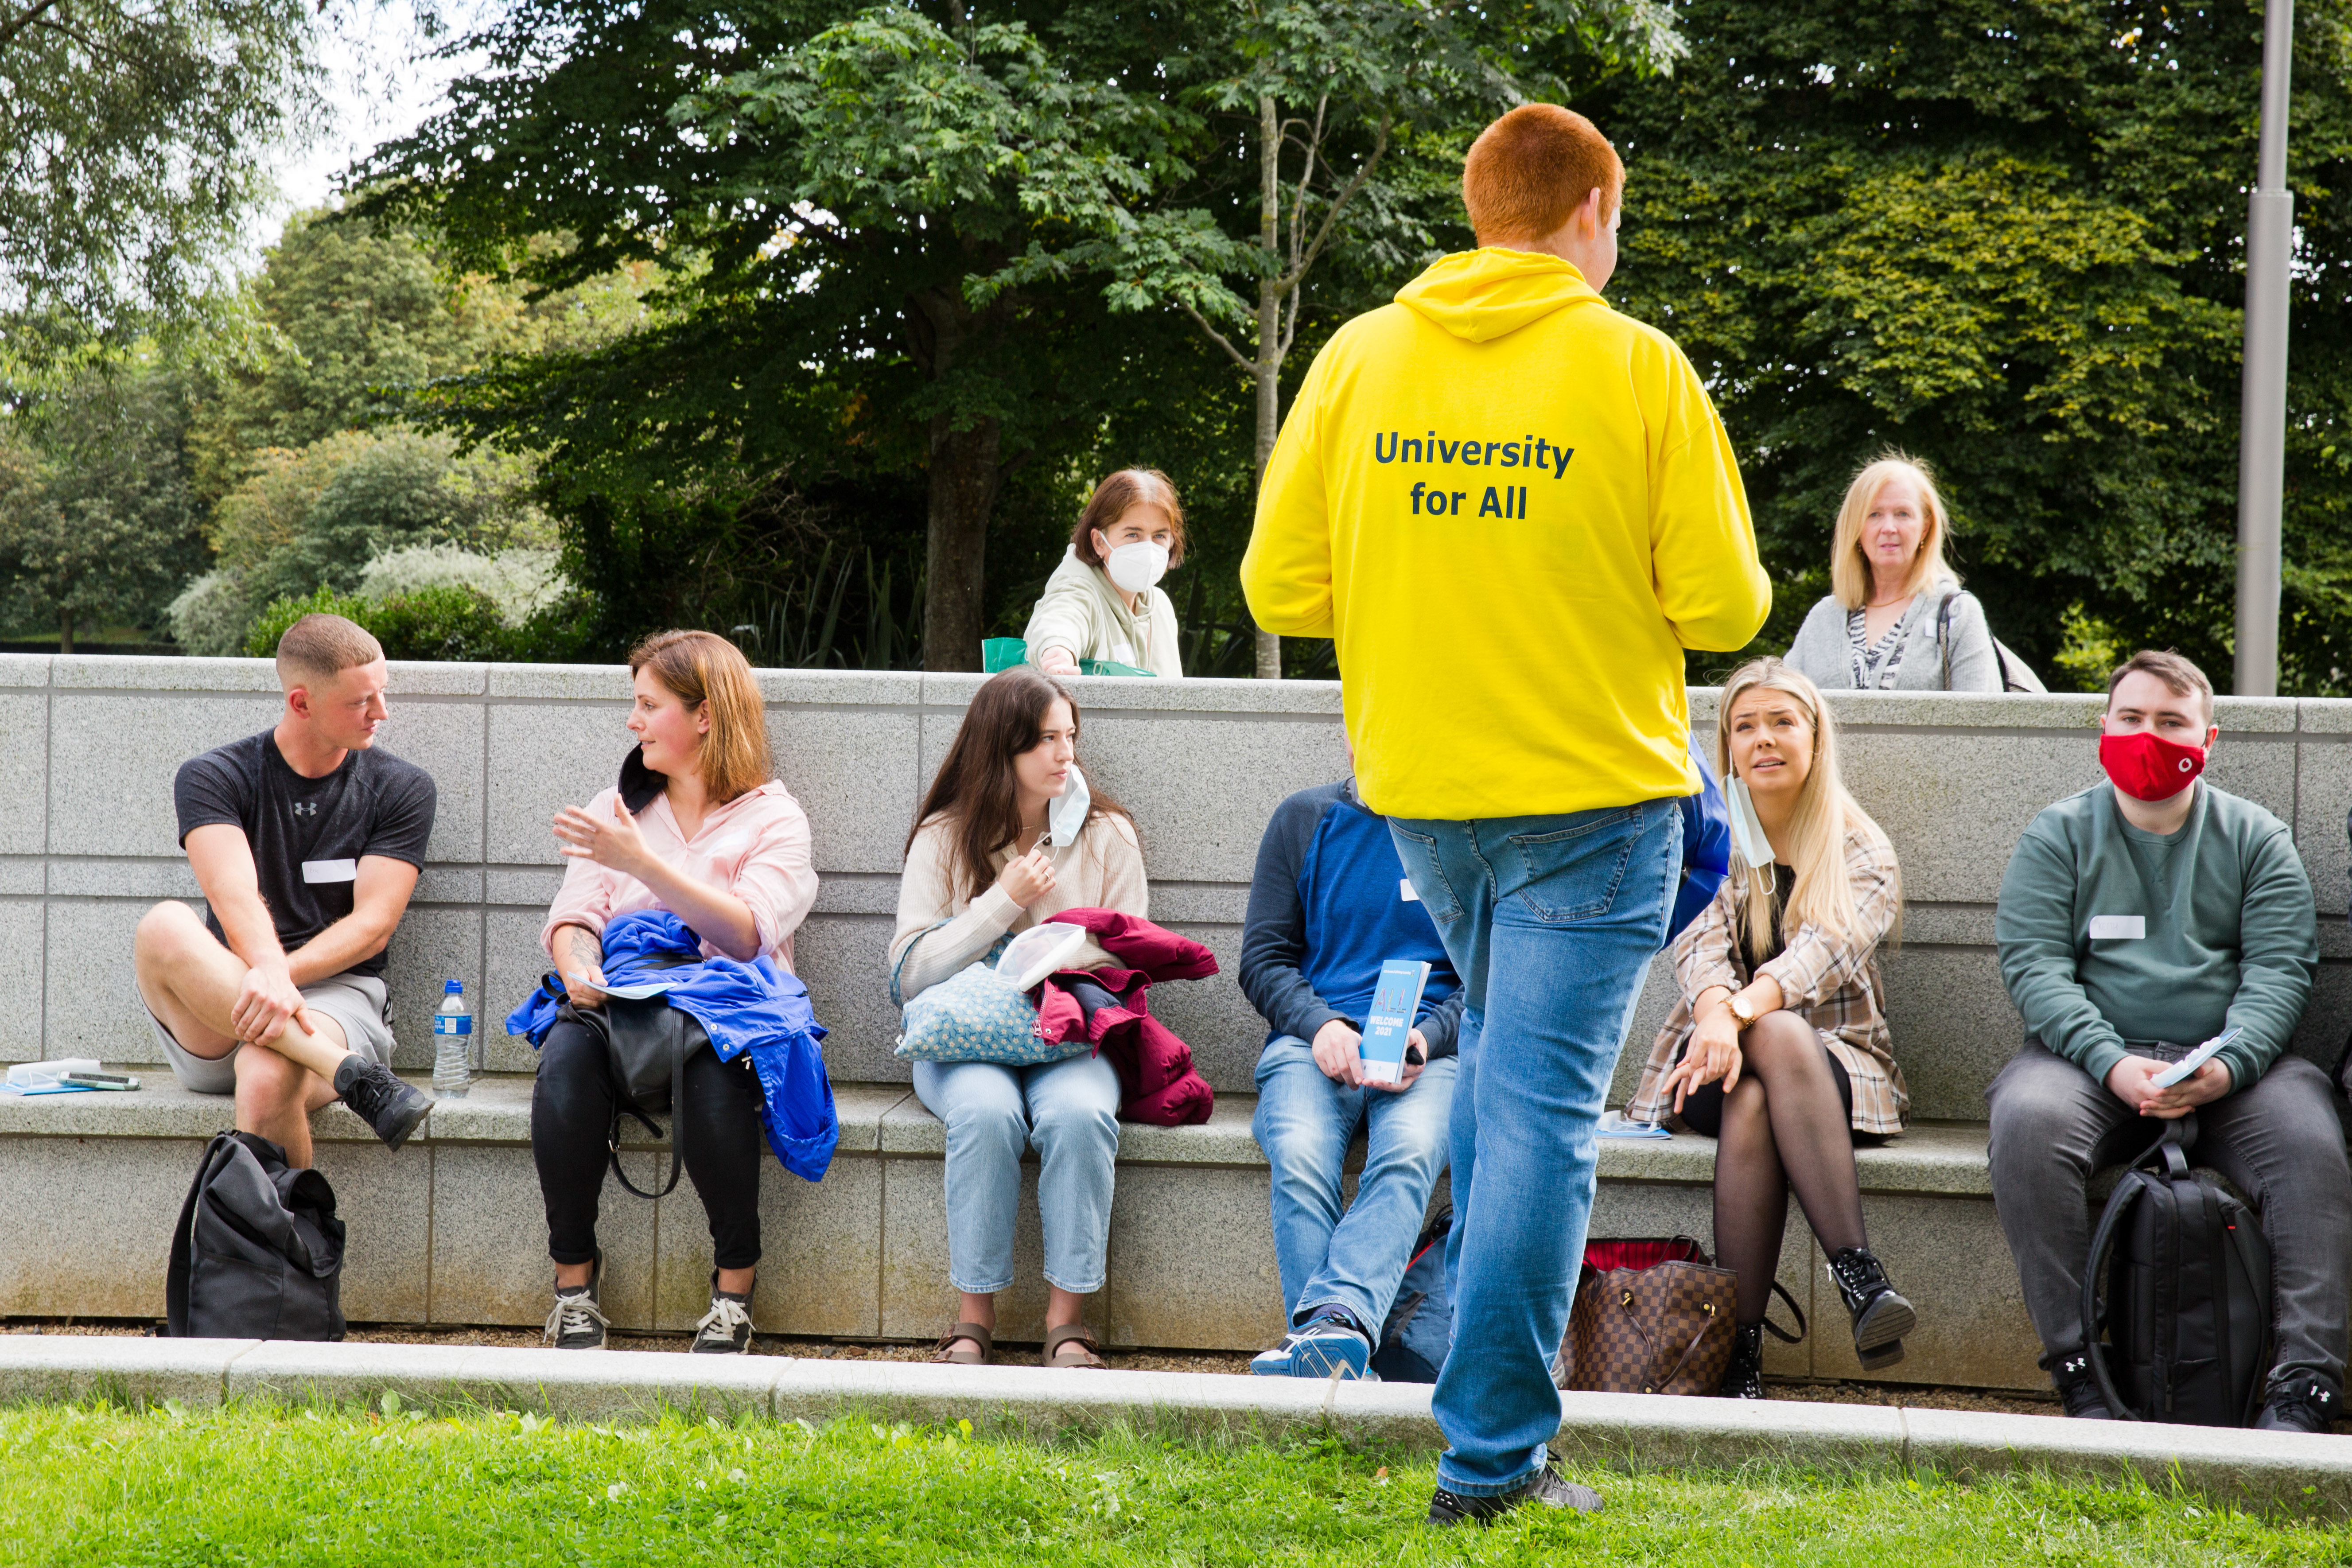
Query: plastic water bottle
[[453, 1040]]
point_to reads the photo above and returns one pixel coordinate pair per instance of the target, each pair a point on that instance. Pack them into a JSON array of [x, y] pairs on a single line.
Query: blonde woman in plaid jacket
[[1778, 1047]]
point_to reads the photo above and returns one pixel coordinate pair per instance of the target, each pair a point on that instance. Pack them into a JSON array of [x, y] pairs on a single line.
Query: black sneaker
[[380, 1099], [1447, 1508], [578, 1323], [726, 1329], [2078, 1389], [2304, 1403]]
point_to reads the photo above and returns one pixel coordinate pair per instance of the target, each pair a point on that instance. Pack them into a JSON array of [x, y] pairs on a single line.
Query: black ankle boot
[[1744, 1378], [1881, 1317]]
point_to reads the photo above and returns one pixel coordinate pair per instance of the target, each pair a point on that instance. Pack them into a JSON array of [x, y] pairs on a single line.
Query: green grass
[[264, 1485]]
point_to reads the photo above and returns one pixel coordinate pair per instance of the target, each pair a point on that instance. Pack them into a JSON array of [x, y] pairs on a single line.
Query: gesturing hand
[[616, 841], [1028, 878]]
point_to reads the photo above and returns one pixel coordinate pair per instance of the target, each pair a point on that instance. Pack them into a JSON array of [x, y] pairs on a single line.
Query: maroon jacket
[[1112, 1007]]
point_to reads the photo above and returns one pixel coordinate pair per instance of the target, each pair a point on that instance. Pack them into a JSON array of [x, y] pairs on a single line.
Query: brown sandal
[[1073, 1345], [986, 1341]]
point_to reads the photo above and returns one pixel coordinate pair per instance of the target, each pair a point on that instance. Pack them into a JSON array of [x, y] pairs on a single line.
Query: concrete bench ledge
[[2259, 1469]]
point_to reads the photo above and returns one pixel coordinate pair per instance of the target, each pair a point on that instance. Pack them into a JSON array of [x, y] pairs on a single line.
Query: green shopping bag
[[1000, 653]]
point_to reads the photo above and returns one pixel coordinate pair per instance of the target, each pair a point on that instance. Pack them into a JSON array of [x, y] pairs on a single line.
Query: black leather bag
[[259, 1252], [2186, 1309], [647, 1045]]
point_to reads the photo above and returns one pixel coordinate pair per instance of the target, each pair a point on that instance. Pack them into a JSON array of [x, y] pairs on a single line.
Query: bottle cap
[[454, 988]]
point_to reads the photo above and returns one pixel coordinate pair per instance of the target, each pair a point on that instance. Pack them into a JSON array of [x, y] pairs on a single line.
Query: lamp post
[[2262, 430]]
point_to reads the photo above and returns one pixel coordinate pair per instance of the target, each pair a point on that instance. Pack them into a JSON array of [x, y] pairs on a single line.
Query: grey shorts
[[359, 1003]]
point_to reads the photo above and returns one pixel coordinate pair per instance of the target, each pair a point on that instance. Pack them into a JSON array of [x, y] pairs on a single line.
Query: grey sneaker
[[726, 1329], [380, 1099], [1546, 1487]]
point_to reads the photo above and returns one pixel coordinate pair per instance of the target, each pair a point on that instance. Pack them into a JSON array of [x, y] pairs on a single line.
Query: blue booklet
[[1396, 1002]]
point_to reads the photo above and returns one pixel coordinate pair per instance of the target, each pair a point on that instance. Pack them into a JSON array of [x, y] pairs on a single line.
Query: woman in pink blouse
[[697, 827]]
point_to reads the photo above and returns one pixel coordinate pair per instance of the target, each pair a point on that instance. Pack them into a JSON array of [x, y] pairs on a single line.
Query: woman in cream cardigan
[[1103, 601], [1885, 626]]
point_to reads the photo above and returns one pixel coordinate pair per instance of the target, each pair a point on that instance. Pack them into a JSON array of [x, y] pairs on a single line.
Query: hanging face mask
[[1746, 827], [1137, 566], [1068, 816], [2147, 766]]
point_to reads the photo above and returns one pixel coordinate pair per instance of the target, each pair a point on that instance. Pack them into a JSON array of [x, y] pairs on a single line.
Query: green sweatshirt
[[2231, 937]]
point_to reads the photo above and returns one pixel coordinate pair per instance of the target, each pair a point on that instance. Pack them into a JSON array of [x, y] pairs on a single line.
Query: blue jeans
[[1551, 922], [1068, 1111], [1305, 1123]]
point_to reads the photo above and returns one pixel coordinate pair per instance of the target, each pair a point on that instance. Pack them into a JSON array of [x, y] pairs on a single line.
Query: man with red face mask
[[2138, 919]]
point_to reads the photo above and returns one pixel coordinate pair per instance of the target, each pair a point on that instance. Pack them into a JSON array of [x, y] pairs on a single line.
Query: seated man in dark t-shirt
[[307, 842]]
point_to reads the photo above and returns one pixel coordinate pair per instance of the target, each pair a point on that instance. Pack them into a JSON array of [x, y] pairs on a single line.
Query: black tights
[[571, 1117], [1788, 1124]]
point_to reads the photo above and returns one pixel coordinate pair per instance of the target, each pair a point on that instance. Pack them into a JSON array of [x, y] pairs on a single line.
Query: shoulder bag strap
[[2095, 1318], [896, 969], [1944, 636], [176, 1274], [678, 1050]]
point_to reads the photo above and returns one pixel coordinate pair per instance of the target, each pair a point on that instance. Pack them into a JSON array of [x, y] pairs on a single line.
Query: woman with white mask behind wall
[[1103, 601]]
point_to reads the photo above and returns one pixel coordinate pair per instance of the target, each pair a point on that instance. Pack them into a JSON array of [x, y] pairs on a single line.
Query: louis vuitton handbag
[[1651, 1317]]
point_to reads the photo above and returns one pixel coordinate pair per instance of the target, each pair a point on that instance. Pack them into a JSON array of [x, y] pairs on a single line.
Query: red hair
[[1530, 170]]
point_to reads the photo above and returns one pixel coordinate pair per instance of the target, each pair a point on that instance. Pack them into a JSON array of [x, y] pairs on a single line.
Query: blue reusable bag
[[976, 1015], [1706, 847]]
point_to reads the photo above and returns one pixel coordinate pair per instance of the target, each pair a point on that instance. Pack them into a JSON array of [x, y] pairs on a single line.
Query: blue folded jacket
[[754, 1008]]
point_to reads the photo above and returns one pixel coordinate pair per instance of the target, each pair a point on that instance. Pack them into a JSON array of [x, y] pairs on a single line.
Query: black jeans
[[571, 1117]]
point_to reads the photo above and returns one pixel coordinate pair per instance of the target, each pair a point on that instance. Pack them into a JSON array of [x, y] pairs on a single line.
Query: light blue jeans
[[1305, 1123], [1551, 922], [1068, 1111]]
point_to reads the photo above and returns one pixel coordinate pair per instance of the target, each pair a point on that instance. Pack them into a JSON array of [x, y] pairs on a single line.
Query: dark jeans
[[571, 1118], [2278, 1140]]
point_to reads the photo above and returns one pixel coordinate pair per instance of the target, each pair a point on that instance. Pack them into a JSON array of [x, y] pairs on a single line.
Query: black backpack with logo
[[259, 1254], [2187, 1277]]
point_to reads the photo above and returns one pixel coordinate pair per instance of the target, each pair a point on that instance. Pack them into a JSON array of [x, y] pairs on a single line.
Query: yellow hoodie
[[1513, 507]]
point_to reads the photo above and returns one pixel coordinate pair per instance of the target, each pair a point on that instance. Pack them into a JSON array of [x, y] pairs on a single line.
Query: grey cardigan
[[1824, 653]]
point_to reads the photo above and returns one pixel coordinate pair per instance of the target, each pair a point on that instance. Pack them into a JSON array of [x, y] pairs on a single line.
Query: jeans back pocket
[[1573, 872]]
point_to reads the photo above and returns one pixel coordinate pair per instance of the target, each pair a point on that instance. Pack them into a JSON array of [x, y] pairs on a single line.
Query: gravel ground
[[1128, 1361]]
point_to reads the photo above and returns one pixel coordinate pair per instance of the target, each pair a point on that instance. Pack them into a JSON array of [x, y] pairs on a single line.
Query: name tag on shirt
[[2119, 928], [331, 870], [1404, 891]]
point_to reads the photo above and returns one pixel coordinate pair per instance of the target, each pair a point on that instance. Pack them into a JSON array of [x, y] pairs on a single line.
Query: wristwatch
[[1742, 1013]]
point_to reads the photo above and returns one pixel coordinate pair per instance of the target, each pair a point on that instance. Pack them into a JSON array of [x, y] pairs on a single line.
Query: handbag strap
[[678, 1054], [909, 952], [1775, 1330], [1944, 636]]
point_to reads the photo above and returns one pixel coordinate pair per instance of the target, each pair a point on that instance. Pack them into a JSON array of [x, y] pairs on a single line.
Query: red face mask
[[2147, 766]]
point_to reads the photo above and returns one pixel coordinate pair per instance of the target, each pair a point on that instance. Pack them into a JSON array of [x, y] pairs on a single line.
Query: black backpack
[[2187, 1310], [259, 1254], [1421, 1319]]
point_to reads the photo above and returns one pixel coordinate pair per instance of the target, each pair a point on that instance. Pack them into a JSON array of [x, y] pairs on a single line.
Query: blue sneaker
[[1324, 1344]]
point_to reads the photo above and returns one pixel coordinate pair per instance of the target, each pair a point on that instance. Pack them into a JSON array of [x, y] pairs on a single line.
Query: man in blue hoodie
[[1329, 905]]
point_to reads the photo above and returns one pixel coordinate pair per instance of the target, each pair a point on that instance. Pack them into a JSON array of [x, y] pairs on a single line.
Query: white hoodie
[[1082, 610]]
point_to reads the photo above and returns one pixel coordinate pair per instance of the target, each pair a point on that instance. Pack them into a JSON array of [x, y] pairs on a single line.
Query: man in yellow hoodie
[[1513, 509]]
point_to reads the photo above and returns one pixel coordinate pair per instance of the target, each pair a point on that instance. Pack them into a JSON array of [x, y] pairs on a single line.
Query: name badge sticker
[[1405, 892], [331, 870], [2119, 928]]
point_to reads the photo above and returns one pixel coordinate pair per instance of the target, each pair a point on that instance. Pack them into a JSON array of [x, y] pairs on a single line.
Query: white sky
[[379, 86]]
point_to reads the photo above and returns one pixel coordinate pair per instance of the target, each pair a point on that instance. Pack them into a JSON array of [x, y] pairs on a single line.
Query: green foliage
[[399, 1482], [132, 136], [97, 524], [449, 622], [2005, 238]]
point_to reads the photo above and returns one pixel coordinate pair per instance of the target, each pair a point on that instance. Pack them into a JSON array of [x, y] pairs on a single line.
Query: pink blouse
[[756, 846]]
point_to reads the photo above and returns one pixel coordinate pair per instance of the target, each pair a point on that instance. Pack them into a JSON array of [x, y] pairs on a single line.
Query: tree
[[131, 135], [97, 524], [2006, 236]]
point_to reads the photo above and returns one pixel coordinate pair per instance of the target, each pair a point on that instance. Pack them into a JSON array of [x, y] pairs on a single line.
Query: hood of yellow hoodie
[[1482, 295]]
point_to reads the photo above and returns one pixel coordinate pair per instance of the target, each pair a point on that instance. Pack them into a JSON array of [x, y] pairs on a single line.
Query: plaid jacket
[[1833, 985]]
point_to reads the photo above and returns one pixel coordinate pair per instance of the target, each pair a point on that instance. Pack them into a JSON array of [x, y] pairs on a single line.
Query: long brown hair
[[698, 668], [977, 797]]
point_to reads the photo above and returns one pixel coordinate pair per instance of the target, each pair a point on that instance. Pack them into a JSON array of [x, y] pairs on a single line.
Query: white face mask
[[1068, 813], [1747, 828], [1137, 566]]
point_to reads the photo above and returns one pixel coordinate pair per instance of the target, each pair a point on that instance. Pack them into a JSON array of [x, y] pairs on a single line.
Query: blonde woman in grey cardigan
[[1895, 619]]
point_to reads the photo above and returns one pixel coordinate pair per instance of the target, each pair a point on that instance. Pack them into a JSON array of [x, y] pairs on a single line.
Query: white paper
[[331, 870], [2186, 1067], [638, 990], [1405, 892], [2119, 928]]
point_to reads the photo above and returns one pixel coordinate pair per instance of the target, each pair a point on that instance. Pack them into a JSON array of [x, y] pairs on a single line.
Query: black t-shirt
[[307, 835]]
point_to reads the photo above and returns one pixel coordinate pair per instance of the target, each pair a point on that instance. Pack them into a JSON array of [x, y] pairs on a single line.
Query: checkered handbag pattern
[[1665, 1329]]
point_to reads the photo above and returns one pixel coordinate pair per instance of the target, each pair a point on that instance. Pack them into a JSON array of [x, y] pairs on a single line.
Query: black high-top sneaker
[[2305, 1402], [726, 1329], [2078, 1388], [1744, 1378], [578, 1322], [380, 1100], [1881, 1317]]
